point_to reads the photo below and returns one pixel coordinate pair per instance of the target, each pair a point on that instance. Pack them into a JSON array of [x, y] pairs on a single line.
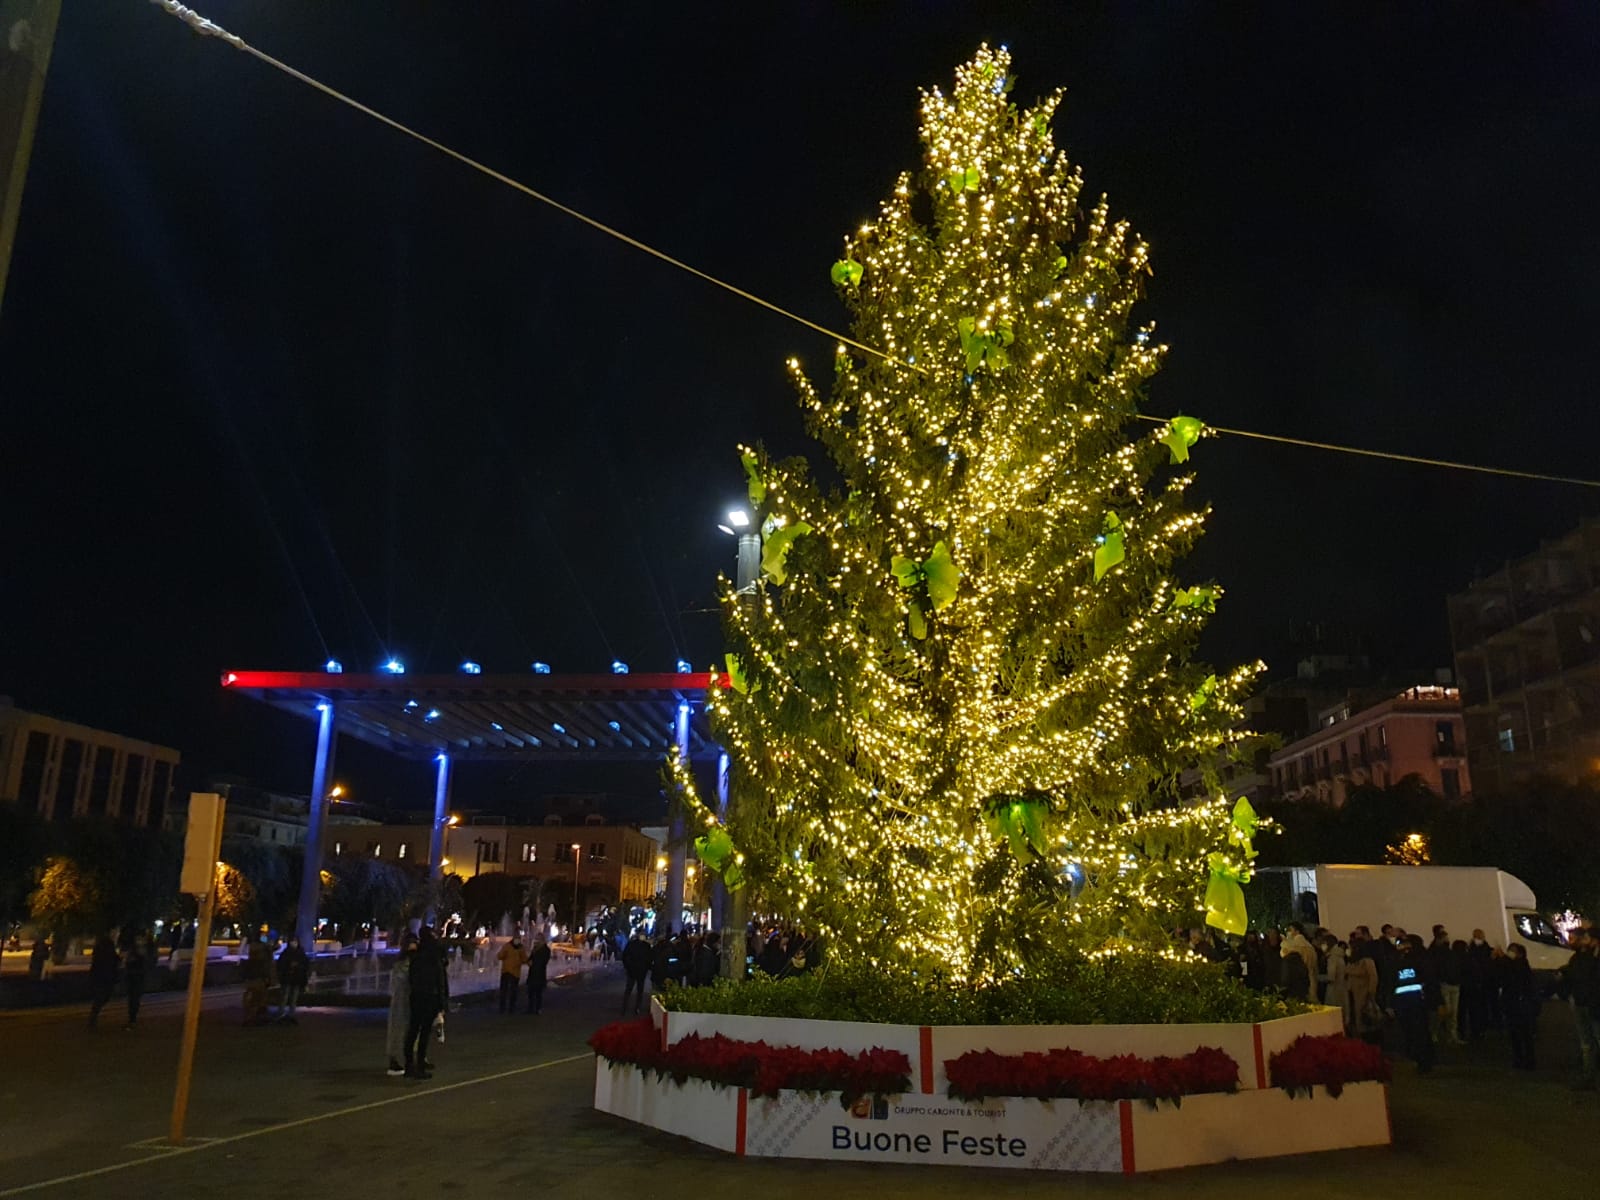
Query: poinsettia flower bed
[[1332, 1061], [1071, 1074], [765, 1070]]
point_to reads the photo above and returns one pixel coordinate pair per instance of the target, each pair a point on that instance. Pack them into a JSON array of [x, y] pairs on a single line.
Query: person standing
[[512, 959], [257, 979], [1361, 978], [102, 975], [1408, 991], [400, 1003], [429, 990], [636, 960], [1519, 998], [1475, 971], [1295, 945], [538, 973], [294, 973], [1580, 984], [37, 959], [1335, 991], [135, 962], [1447, 965]]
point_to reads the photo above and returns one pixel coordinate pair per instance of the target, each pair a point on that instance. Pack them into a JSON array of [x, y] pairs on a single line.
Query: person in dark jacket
[[705, 961], [1579, 982], [102, 975], [37, 959], [636, 960], [1409, 980], [294, 973], [430, 989], [662, 963], [1519, 998], [1252, 959], [1475, 987], [135, 962], [538, 973]]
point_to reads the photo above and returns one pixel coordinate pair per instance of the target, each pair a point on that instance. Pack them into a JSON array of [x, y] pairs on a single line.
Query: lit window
[[377, 849], [404, 846], [338, 847], [1508, 741]]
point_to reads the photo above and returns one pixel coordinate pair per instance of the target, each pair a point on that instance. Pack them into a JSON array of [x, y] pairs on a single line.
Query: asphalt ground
[[307, 1111]]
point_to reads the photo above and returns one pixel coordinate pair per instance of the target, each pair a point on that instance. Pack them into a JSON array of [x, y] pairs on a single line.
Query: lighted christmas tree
[[960, 699]]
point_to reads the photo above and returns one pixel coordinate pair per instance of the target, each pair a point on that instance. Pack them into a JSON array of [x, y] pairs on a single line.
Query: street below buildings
[[283, 1110]]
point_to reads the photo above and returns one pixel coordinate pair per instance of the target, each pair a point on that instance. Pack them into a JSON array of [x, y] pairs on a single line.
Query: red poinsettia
[[1332, 1060], [765, 1070], [1067, 1073]]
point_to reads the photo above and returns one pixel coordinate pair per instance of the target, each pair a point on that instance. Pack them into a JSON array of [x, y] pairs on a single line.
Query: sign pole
[[205, 828]]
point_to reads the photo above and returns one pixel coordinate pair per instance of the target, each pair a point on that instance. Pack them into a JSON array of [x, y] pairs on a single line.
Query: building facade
[[618, 858], [1527, 646], [63, 770], [1418, 732]]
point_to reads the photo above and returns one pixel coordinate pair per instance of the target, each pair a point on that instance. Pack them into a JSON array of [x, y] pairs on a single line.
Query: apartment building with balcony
[[1419, 731], [1527, 647]]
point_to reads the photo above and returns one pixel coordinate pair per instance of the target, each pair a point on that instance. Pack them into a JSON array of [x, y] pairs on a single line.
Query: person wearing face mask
[[512, 959], [400, 1003]]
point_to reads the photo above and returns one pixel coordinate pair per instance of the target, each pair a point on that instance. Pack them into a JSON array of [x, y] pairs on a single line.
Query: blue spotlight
[[395, 667], [684, 666], [618, 667], [471, 668], [333, 667], [540, 668]]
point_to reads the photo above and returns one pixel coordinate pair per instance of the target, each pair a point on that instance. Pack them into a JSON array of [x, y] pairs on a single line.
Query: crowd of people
[[1436, 991]]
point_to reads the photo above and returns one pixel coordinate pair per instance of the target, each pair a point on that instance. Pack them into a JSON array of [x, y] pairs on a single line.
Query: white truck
[[1418, 898]]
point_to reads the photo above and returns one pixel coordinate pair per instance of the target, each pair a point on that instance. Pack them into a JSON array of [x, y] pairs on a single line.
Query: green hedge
[[1117, 991]]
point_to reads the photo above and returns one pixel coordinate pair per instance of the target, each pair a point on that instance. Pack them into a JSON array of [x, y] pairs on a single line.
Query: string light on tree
[[959, 703]]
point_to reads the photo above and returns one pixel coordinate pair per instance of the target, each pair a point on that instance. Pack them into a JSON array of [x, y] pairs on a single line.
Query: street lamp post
[[577, 860], [728, 902]]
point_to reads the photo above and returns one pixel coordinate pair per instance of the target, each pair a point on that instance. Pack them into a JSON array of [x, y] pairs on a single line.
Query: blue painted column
[[677, 848], [305, 923], [441, 818]]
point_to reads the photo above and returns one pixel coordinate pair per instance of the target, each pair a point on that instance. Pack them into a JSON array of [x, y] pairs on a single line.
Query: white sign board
[[1062, 1135], [200, 842]]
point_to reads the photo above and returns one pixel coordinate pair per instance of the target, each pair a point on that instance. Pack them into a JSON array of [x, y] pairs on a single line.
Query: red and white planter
[[927, 1126]]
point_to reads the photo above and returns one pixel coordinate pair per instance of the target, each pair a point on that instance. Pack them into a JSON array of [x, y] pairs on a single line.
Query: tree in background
[[489, 898], [960, 700], [70, 901]]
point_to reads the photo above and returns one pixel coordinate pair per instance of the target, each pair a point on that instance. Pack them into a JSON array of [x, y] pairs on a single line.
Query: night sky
[[278, 384]]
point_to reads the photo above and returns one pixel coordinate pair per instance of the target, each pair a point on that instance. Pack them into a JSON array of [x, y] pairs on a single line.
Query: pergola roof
[[549, 718]]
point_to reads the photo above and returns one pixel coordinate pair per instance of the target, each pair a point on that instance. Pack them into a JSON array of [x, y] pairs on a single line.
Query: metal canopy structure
[[487, 718], [450, 719]]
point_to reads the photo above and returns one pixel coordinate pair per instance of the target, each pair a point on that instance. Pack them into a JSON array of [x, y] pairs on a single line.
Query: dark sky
[[278, 383]]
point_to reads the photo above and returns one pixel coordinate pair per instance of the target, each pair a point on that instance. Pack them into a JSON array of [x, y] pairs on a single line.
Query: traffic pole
[[211, 846]]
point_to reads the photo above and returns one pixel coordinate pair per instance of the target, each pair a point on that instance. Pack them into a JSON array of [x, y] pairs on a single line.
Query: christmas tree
[[959, 701]]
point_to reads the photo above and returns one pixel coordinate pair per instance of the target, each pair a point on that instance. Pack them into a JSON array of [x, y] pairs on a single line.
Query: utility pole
[[27, 35]]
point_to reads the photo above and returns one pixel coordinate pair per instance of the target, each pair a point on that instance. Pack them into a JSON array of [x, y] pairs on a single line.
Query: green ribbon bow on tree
[[984, 346], [737, 679], [1108, 546], [846, 272], [1199, 597], [775, 549], [1225, 906], [752, 470], [1180, 435], [938, 573], [1203, 694], [1020, 820], [715, 849], [968, 180]]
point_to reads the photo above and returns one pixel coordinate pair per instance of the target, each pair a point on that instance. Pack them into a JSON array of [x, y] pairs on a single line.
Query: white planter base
[[1013, 1133]]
